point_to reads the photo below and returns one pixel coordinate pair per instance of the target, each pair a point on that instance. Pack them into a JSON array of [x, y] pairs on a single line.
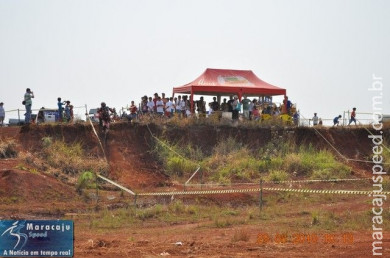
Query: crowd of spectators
[[167, 107]]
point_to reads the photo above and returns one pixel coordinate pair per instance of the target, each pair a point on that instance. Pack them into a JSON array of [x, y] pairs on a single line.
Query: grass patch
[[177, 160], [66, 161], [277, 176], [231, 161], [8, 149], [241, 235]]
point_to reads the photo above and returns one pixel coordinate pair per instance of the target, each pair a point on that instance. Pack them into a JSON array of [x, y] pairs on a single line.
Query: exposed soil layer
[[27, 195]]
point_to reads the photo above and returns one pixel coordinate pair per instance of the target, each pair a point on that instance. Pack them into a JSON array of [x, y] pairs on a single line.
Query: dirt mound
[[128, 146], [21, 186]]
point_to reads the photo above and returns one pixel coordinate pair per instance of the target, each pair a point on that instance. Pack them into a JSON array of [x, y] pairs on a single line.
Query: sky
[[324, 53]]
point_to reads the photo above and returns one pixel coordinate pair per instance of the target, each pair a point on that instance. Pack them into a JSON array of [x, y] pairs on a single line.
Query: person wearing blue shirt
[[336, 120], [60, 110]]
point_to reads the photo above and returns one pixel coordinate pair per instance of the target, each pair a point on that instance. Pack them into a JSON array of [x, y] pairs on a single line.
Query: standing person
[[235, 108], [353, 116], [169, 107], [28, 104], [315, 119], [144, 105], [296, 118], [246, 107], [336, 120], [230, 104], [215, 104], [2, 114], [201, 107], [60, 110], [155, 99], [150, 105], [183, 105], [71, 113], [224, 106], [67, 111], [133, 111], [160, 106], [186, 107], [178, 105]]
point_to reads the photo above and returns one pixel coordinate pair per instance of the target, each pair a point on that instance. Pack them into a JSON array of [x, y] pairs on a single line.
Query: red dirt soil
[[127, 146]]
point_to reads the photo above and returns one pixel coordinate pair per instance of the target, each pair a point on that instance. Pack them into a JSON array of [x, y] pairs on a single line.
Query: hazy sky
[[323, 52]]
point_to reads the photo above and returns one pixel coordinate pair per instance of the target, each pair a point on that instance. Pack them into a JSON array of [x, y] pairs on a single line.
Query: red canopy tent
[[217, 82]]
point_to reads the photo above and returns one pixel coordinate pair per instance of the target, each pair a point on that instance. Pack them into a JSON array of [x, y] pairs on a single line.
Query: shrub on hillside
[[277, 176], [8, 149], [70, 158], [180, 166]]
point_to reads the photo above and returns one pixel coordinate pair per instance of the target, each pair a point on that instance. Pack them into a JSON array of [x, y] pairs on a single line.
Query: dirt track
[[37, 196]]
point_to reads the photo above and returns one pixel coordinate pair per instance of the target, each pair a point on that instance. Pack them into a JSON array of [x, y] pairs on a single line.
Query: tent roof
[[226, 82]]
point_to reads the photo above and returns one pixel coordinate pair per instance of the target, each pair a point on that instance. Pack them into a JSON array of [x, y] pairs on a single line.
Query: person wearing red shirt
[[133, 110], [353, 116]]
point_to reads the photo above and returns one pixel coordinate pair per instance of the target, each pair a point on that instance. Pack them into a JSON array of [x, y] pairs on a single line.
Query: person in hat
[[2, 114]]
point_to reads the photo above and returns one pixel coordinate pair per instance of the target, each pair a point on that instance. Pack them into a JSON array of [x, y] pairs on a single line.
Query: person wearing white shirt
[[150, 105], [168, 108], [160, 106], [315, 119]]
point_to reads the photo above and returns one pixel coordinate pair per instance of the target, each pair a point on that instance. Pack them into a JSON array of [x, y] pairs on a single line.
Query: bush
[[226, 147], [8, 149], [180, 166], [277, 176], [86, 180], [293, 163], [70, 158]]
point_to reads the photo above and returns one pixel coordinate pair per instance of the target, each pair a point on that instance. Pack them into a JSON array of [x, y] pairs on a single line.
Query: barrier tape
[[357, 192], [285, 181], [353, 192]]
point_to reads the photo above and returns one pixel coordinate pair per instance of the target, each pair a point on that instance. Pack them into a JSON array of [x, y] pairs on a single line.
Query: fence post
[[343, 118], [86, 112], [201, 179], [97, 189], [261, 195], [135, 202]]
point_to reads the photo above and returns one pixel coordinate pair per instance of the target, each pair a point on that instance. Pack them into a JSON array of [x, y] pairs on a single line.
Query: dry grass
[[8, 149], [65, 161], [241, 235]]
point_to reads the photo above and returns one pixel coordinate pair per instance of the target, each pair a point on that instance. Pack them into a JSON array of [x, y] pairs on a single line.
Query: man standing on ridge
[[28, 103], [2, 114]]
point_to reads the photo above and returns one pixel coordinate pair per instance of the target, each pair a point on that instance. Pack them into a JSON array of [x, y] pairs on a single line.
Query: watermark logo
[[40, 238], [376, 137], [14, 230]]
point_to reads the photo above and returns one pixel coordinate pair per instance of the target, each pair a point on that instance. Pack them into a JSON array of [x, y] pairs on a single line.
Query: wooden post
[[201, 179], [135, 203], [97, 189], [261, 195]]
